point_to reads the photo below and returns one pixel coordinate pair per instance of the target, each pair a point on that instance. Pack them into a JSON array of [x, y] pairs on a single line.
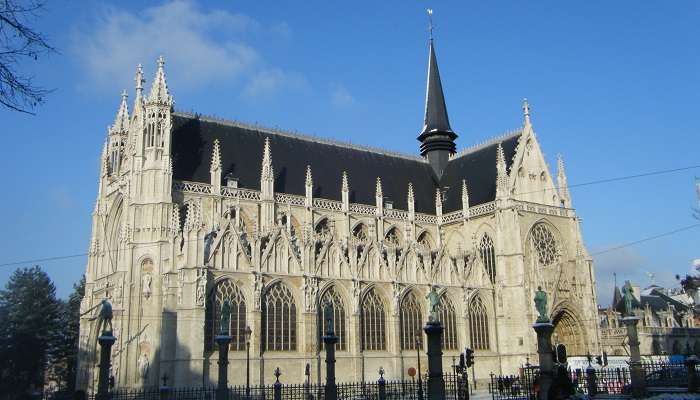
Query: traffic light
[[469, 355], [462, 364]]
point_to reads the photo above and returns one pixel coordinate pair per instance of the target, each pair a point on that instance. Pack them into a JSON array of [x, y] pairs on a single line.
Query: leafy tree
[[20, 42], [65, 357], [29, 324]]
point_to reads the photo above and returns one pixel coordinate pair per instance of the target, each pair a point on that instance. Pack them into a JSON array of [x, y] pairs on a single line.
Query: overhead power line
[[646, 239]]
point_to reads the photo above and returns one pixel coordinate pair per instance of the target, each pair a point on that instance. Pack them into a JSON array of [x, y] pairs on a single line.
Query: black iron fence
[[658, 376], [456, 388]]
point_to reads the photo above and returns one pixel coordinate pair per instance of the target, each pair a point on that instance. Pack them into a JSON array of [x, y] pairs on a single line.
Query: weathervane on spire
[[430, 22]]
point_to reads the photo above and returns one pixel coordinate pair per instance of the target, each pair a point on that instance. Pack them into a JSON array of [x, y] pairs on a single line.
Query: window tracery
[[411, 318], [393, 237], [360, 232], [373, 322], [332, 297], [279, 319], [446, 313], [488, 256], [478, 325], [226, 290], [544, 244], [425, 240]]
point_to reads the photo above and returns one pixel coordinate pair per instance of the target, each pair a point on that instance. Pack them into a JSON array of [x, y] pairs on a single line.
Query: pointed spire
[[309, 185], [378, 191], [501, 173], [436, 137], [562, 182], [138, 78], [438, 202], [215, 157], [411, 199], [345, 185], [465, 199], [121, 122], [345, 192], [526, 112], [159, 90], [267, 172], [309, 178]]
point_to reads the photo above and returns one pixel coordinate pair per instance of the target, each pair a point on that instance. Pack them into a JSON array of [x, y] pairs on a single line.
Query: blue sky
[[614, 87]]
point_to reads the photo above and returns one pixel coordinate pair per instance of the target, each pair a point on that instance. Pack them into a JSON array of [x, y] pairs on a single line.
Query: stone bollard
[[382, 384], [691, 362], [591, 381], [544, 350], [106, 340], [222, 385], [636, 371], [436, 383], [277, 388]]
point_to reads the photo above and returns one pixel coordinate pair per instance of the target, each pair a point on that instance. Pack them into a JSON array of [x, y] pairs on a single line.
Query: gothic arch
[[455, 243], [360, 231], [411, 319], [447, 312], [480, 319], [226, 288], [279, 330], [393, 235], [373, 320], [334, 294], [323, 226], [568, 329], [426, 238], [112, 233]]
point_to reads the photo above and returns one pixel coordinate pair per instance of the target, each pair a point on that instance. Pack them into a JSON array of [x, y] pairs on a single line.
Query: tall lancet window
[[279, 319], [150, 134], [373, 322], [332, 297], [226, 290], [411, 321], [478, 324], [446, 313], [488, 256]]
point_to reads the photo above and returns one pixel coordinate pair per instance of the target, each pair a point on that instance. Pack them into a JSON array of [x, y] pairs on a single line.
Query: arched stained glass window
[[478, 325], [226, 290], [488, 256], [331, 296], [279, 319], [411, 317], [446, 313], [373, 322]]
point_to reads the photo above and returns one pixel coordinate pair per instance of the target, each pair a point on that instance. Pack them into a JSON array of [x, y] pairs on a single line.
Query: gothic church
[[193, 210]]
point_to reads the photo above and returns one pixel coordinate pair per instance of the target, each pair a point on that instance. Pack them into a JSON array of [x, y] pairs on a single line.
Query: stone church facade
[[193, 210]]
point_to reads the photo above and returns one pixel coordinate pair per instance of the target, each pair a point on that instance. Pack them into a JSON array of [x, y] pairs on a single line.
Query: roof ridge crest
[[489, 142], [297, 135]]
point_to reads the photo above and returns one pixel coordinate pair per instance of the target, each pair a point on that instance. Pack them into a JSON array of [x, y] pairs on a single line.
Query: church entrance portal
[[569, 332]]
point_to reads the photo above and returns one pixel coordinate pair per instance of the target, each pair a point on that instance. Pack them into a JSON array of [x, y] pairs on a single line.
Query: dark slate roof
[[242, 148], [478, 169]]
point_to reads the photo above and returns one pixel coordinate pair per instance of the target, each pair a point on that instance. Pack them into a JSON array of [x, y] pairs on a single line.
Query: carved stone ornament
[[146, 283], [200, 287]]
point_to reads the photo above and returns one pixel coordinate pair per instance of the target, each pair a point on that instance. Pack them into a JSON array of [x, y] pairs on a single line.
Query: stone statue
[[208, 241], [434, 300], [627, 298], [143, 366], [328, 316], [104, 317], [541, 305], [225, 318], [147, 285]]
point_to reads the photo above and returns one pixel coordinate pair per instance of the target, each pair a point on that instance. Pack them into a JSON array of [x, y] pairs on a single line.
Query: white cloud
[[340, 96], [186, 35], [267, 81]]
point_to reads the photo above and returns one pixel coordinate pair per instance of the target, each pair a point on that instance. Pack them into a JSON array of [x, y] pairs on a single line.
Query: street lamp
[[420, 382], [248, 332]]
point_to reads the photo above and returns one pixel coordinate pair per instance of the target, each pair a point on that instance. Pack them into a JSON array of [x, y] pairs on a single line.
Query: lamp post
[[420, 382], [248, 332]]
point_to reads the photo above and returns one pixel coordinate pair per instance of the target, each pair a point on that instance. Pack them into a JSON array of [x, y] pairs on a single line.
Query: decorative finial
[[345, 185], [124, 95], [430, 22], [309, 179], [139, 80], [161, 62], [526, 111], [379, 192]]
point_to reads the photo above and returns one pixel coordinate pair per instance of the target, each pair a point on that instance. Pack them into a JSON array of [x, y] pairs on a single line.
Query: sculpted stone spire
[[465, 199], [411, 200], [121, 122], [309, 186], [345, 192], [215, 167], [526, 113], [438, 203], [562, 183], [379, 197], [501, 173], [267, 171], [159, 90]]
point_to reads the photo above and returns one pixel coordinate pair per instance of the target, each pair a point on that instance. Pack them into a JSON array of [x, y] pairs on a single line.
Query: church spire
[[501, 173], [437, 137], [526, 113], [159, 90], [562, 183]]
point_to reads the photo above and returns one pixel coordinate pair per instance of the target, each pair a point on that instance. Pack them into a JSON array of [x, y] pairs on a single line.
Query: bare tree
[[19, 42]]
